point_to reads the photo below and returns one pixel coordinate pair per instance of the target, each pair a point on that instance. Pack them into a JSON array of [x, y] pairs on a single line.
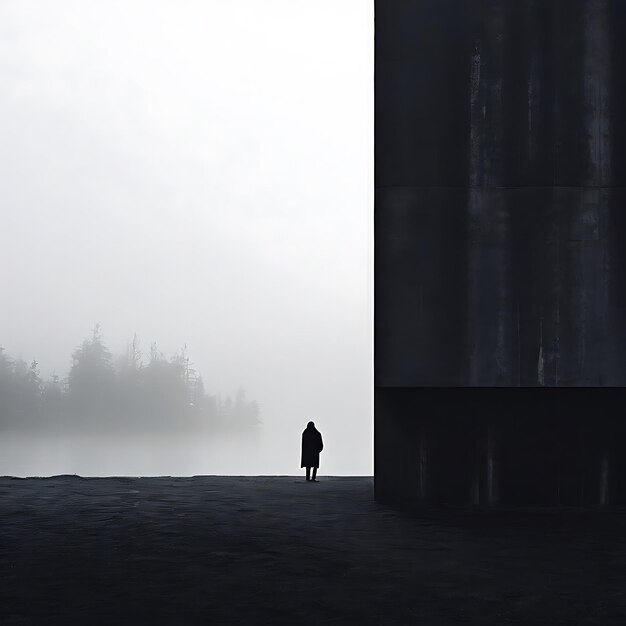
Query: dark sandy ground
[[278, 550]]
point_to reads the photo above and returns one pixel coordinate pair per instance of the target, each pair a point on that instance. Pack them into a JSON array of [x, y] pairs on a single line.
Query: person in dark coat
[[311, 447]]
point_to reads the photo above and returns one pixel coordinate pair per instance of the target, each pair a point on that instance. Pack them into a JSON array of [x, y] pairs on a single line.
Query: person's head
[[310, 426]]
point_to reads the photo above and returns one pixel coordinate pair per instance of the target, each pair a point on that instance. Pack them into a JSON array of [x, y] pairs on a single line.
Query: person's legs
[[314, 472], [308, 473]]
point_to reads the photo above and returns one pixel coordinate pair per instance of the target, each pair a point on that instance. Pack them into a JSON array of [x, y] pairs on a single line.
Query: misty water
[[170, 454], [135, 455]]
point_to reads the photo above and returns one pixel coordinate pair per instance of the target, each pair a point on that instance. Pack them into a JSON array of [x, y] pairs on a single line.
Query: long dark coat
[[311, 447]]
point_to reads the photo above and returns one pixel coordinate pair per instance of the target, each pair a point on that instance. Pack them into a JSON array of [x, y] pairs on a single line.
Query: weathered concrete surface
[[500, 286], [500, 210], [500, 193], [526, 446], [278, 550]]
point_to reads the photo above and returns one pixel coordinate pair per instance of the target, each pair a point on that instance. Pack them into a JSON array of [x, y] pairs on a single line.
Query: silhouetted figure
[[311, 447]]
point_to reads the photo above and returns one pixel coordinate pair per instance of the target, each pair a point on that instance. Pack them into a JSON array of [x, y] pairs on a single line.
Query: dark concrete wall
[[500, 210], [524, 446]]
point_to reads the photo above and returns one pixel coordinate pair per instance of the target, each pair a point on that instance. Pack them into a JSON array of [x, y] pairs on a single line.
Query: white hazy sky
[[200, 173]]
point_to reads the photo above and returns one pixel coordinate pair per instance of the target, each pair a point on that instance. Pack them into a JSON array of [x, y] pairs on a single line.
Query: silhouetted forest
[[126, 392]]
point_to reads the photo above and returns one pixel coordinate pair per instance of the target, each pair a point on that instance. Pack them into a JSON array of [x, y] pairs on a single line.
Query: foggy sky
[[200, 173]]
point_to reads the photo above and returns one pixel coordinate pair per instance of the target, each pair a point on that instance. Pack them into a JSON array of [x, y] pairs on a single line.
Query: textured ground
[[278, 550]]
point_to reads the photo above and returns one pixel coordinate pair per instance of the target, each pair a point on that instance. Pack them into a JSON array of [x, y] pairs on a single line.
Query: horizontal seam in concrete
[[582, 187]]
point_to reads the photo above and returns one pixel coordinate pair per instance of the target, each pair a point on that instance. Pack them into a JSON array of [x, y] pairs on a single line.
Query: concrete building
[[500, 252]]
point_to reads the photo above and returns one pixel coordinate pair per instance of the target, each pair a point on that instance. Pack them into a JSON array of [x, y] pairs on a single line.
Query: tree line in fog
[[130, 391]]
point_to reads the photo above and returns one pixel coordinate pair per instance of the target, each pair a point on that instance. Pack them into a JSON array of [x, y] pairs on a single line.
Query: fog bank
[[200, 174]]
